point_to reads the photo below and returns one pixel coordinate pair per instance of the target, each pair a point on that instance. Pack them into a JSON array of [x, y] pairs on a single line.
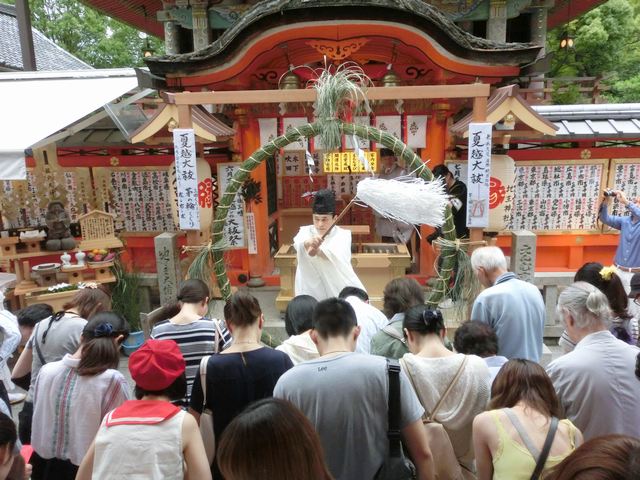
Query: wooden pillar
[[23, 17], [171, 38], [200, 22], [260, 263], [434, 153], [479, 115], [497, 22]]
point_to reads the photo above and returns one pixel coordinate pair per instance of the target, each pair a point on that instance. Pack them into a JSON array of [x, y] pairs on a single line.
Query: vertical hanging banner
[[289, 123], [417, 131], [234, 232], [268, 130], [184, 146], [391, 124], [252, 236], [363, 143], [479, 175]]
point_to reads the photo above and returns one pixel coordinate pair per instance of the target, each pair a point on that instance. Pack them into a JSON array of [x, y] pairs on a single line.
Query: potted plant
[[125, 300]]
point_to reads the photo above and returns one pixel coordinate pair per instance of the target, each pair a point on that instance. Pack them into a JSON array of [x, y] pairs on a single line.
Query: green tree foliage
[[607, 46], [100, 41]]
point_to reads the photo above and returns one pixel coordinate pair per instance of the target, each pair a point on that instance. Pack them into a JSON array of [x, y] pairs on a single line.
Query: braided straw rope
[[210, 257]]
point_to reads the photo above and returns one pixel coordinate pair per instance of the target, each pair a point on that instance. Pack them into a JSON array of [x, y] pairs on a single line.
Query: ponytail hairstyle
[[423, 320], [99, 348], [609, 283], [242, 309], [586, 304], [86, 302], [191, 291]]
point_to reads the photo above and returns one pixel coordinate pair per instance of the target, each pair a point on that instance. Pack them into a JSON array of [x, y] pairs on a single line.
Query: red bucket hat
[[156, 364]]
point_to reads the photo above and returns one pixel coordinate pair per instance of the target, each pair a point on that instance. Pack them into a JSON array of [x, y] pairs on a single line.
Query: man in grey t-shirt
[[345, 395]]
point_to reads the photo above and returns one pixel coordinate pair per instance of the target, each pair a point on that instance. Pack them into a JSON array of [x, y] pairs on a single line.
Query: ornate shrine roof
[[415, 16]]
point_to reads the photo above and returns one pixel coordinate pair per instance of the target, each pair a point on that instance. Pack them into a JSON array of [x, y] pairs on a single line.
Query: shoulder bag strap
[[515, 421], [393, 431], [405, 367], [36, 344], [542, 459], [432, 416], [449, 388], [389, 330], [216, 327], [203, 380]]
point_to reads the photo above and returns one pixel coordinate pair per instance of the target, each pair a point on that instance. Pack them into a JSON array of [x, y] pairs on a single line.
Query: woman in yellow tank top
[[510, 437]]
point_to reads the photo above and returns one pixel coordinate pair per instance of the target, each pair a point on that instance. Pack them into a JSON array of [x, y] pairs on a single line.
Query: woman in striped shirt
[[195, 333]]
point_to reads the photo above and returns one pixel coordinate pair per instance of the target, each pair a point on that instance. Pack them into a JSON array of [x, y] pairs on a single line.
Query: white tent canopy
[[35, 105]]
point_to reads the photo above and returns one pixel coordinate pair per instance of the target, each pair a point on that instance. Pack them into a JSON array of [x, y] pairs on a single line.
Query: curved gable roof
[[415, 14]]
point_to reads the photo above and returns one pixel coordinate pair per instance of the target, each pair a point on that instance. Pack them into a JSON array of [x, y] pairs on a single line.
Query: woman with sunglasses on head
[[53, 338], [72, 396], [457, 382]]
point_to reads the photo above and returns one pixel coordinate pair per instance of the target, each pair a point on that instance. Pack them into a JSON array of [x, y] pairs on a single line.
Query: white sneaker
[[17, 398]]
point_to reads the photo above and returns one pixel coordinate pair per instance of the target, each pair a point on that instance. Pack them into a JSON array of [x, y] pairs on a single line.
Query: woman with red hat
[[149, 437]]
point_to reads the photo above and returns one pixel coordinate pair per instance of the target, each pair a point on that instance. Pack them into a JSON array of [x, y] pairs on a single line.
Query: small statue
[[59, 236]]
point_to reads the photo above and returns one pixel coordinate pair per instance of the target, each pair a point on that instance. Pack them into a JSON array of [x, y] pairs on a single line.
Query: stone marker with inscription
[[523, 254], [168, 266]]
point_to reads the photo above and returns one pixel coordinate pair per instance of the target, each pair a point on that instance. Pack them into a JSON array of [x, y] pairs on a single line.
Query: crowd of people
[[319, 405]]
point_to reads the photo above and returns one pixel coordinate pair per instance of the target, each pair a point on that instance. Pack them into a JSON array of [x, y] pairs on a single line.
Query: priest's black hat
[[324, 202]]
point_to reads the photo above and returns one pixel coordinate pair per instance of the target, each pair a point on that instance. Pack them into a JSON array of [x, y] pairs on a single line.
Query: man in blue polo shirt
[[513, 308], [627, 259]]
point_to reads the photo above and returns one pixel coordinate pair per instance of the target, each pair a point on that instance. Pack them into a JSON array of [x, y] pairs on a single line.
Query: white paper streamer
[[406, 199], [360, 154], [310, 164]]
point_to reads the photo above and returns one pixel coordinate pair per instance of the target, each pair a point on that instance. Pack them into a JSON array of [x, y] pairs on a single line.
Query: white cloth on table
[[326, 274]]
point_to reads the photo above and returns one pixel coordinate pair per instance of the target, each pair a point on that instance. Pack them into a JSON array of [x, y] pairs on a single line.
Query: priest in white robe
[[324, 266]]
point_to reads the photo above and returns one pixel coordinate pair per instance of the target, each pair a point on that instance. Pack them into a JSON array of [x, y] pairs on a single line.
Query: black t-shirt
[[235, 380], [459, 191]]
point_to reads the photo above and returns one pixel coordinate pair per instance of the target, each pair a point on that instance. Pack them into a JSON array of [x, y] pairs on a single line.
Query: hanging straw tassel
[[406, 199]]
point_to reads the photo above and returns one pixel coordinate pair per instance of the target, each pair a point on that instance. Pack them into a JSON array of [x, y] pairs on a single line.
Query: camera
[[609, 193]]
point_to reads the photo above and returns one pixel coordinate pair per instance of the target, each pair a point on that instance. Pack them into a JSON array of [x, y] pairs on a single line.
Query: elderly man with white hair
[[513, 308], [596, 382]]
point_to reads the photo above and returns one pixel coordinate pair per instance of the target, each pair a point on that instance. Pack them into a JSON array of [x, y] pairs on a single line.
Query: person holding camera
[[627, 259]]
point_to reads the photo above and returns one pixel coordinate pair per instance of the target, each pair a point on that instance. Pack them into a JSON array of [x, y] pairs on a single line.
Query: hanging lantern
[[290, 81], [566, 41], [391, 79], [147, 49]]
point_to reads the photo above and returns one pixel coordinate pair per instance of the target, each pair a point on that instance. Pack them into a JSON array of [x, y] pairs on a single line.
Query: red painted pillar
[[260, 263], [434, 154]]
